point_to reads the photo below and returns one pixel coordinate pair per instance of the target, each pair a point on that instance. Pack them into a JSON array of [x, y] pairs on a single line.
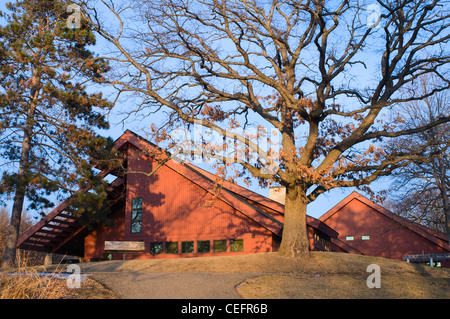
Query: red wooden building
[[372, 230], [176, 212]]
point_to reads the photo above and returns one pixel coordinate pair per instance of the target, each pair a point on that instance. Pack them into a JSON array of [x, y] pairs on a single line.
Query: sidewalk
[[172, 285]]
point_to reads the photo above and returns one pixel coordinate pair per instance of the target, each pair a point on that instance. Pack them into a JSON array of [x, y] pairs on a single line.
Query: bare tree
[[321, 73], [423, 187]]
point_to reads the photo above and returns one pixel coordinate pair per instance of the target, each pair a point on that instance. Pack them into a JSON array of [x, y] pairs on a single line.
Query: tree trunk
[[294, 241], [9, 257]]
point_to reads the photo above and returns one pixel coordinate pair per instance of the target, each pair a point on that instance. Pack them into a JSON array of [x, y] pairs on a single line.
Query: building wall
[[94, 242], [387, 238], [174, 209]]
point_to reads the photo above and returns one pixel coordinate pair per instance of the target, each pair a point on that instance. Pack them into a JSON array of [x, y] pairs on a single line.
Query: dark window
[[203, 246], [220, 246], [187, 247], [236, 245], [321, 243], [172, 247], [136, 215], [156, 248]]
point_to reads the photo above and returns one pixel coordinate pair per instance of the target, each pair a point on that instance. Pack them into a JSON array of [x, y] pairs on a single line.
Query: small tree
[[320, 73], [47, 117]]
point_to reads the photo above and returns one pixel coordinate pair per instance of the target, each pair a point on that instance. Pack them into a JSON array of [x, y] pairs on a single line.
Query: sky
[[118, 125]]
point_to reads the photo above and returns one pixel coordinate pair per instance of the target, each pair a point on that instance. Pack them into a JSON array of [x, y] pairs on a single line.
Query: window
[[365, 237], [187, 247], [136, 215], [203, 246], [349, 238], [321, 243], [156, 248], [220, 246], [172, 247], [236, 245]]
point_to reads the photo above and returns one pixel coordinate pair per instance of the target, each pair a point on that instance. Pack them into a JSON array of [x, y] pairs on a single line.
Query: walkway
[[172, 285]]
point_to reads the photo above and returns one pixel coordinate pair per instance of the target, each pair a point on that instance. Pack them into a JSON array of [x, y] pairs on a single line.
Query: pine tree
[[48, 116]]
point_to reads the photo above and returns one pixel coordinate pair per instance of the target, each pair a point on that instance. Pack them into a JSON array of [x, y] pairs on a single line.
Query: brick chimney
[[277, 193]]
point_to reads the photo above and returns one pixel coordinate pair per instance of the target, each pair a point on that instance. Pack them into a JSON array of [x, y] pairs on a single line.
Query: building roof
[[236, 196], [433, 236], [58, 228]]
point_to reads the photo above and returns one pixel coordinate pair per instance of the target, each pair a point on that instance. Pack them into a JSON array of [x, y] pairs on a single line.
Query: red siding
[[388, 238], [94, 242], [176, 209], [178, 205]]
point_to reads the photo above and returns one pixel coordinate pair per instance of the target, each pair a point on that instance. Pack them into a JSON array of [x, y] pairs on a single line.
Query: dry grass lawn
[[323, 275], [27, 283], [33, 286], [343, 287]]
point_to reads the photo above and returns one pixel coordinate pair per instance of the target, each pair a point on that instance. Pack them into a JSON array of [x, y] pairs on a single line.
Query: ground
[[89, 289], [266, 275]]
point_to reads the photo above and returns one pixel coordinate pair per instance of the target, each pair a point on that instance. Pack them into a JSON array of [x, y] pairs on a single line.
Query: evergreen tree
[[48, 116]]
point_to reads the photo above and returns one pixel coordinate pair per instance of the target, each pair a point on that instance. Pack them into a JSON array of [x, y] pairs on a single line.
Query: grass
[[23, 283], [342, 287], [323, 275], [28, 282], [31, 285]]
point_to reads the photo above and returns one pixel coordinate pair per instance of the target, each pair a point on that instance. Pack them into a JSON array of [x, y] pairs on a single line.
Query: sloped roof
[[232, 194], [346, 247], [433, 236], [268, 203], [58, 227]]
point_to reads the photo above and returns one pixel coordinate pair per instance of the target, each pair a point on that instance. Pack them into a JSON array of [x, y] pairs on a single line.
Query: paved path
[[171, 285]]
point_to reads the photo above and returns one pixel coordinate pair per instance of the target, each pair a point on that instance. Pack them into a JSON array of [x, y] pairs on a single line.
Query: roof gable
[[194, 174], [425, 232], [62, 227], [229, 190]]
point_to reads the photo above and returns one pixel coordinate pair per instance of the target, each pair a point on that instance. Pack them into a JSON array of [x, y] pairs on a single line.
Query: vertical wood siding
[[176, 209], [388, 238]]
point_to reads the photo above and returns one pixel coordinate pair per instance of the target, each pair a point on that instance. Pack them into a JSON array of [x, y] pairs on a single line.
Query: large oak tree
[[324, 74]]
